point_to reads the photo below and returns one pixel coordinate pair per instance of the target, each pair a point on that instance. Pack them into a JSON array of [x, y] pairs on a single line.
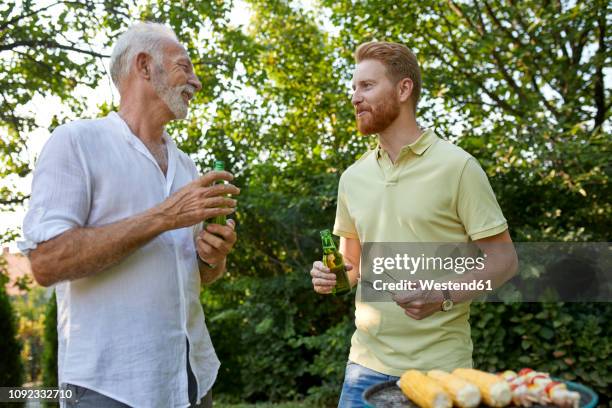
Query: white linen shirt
[[122, 331]]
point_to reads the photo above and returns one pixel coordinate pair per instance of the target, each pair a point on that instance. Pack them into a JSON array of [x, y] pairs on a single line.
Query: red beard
[[378, 117]]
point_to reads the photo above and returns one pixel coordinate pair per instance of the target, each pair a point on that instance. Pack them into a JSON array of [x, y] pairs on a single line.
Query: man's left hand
[[216, 241], [419, 304]]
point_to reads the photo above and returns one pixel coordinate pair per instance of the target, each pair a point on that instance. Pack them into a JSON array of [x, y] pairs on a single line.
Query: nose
[[356, 99], [195, 82]]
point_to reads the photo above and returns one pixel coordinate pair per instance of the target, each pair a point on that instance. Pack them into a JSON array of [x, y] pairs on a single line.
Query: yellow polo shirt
[[434, 192]]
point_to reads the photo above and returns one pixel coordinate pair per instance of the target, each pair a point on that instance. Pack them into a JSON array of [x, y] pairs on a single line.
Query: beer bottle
[[332, 258], [219, 219]]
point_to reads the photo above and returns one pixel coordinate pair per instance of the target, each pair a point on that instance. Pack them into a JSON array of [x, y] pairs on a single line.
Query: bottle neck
[[328, 244], [219, 165]]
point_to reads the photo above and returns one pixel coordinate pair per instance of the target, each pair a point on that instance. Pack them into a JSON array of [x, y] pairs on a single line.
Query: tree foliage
[[520, 85], [50, 341], [11, 367], [46, 49], [30, 309]]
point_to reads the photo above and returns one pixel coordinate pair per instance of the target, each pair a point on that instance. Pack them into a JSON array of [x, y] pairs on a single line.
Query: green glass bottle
[[332, 258], [219, 219]]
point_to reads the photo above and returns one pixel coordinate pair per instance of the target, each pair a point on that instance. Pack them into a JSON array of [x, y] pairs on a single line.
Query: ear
[[144, 65], [405, 86]]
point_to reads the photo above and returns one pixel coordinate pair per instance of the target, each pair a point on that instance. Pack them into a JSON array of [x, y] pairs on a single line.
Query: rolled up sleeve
[[60, 198], [477, 206]]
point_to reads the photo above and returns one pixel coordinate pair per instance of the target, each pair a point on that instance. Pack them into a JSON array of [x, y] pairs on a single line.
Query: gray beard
[[171, 95]]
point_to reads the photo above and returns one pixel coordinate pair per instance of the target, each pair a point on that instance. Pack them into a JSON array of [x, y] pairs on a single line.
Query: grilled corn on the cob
[[424, 391], [463, 393], [495, 391]]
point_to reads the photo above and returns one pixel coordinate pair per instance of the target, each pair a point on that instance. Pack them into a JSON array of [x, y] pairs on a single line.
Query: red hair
[[399, 60]]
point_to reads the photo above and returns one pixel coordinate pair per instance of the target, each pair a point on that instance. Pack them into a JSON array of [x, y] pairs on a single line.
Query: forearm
[[497, 271], [207, 274], [350, 248], [353, 275], [501, 265], [82, 252]]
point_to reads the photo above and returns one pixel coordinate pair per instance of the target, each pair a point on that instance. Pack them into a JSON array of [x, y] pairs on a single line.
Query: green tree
[[50, 48], [48, 362], [11, 367], [519, 85], [30, 307], [45, 49], [49, 357]]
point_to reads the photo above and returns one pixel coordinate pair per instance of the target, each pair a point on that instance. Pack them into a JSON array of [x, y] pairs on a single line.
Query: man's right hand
[[323, 281], [199, 200]]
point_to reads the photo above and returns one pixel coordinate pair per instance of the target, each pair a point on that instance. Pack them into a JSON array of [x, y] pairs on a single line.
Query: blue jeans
[[357, 379]]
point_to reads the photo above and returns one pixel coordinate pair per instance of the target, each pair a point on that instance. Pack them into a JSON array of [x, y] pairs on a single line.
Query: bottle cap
[[325, 232]]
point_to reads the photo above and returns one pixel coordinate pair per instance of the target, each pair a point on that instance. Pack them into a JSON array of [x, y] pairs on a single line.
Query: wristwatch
[[447, 303]]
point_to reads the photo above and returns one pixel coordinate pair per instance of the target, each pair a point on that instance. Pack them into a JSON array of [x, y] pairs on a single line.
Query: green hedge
[[572, 341], [277, 340]]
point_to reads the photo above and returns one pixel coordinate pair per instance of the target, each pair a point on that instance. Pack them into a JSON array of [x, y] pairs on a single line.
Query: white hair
[[147, 37]]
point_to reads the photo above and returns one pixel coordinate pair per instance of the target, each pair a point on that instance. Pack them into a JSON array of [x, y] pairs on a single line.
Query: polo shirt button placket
[[392, 171], [391, 181]]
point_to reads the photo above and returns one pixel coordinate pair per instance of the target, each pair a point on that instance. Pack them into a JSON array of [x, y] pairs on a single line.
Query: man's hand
[[198, 201], [419, 304], [323, 281], [215, 242]]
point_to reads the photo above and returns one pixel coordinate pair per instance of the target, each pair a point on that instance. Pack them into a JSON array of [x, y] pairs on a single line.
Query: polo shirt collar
[[418, 147]]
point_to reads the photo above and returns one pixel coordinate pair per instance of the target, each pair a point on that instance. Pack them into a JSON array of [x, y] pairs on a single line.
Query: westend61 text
[[432, 285]]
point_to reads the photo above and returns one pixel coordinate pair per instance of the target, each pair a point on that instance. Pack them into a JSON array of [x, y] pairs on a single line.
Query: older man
[[114, 221]]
